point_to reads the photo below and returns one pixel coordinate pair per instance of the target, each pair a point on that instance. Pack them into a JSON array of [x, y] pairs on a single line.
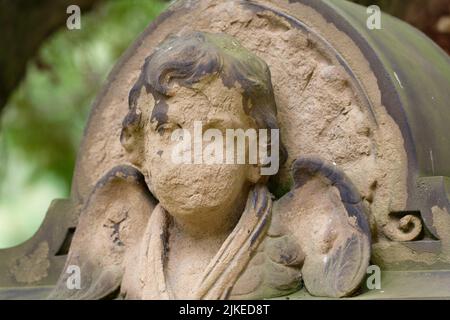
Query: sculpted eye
[[167, 127]]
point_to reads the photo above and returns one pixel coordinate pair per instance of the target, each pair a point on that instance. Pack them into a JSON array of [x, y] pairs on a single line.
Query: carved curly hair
[[188, 59]]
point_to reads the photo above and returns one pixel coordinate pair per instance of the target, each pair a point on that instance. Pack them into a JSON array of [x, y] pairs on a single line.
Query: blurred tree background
[[430, 16], [42, 123], [49, 77]]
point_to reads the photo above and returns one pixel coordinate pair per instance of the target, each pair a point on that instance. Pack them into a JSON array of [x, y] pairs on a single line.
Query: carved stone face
[[195, 189], [206, 80]]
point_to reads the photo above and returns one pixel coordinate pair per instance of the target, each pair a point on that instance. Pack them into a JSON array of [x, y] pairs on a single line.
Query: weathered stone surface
[[364, 172]]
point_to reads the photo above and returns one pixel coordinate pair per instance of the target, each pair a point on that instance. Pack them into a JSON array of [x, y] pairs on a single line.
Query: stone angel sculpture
[[155, 229]]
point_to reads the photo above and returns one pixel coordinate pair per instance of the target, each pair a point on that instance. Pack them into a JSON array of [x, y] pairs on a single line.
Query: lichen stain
[[32, 267], [441, 219]]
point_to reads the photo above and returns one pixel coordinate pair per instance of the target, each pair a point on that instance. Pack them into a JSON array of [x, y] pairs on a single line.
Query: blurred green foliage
[[42, 125]]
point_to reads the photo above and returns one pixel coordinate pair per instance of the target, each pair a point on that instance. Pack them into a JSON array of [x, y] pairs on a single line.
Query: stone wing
[[109, 229], [325, 213]]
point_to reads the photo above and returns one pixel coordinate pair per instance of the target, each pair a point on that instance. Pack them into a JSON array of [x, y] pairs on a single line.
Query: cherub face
[[189, 189]]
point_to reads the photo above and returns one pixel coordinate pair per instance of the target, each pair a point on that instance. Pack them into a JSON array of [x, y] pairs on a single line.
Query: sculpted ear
[[110, 226], [131, 136]]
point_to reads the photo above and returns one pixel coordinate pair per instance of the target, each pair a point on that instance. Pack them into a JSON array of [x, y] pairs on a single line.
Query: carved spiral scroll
[[408, 228]]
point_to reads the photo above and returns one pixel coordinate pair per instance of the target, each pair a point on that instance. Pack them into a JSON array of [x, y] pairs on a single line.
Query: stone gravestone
[[350, 173]]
